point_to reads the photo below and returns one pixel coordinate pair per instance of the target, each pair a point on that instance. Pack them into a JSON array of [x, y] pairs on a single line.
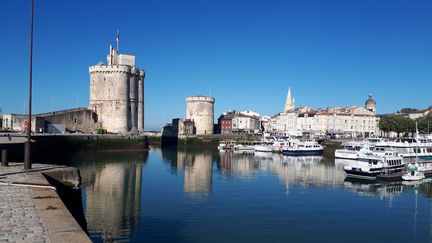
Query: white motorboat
[[413, 173], [264, 146], [245, 146], [369, 166], [303, 148], [226, 145], [413, 176], [281, 143]]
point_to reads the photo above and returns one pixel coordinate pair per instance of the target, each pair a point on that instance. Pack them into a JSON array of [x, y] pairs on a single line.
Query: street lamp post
[[27, 147]]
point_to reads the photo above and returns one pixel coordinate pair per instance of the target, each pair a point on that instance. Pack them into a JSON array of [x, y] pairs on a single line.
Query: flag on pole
[[118, 38]]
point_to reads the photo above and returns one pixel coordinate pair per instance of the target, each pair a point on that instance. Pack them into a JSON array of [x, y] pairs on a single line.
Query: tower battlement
[[200, 99], [110, 69]]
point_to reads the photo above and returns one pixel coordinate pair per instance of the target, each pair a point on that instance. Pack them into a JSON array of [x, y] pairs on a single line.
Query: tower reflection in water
[[197, 174], [197, 167], [113, 194]]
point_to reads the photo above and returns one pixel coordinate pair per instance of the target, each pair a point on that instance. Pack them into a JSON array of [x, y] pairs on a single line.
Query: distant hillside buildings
[[419, 113]]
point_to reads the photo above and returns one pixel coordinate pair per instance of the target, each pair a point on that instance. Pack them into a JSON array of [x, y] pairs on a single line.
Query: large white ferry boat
[[411, 147], [351, 149]]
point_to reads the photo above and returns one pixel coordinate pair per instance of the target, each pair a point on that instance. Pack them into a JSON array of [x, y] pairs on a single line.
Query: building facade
[[239, 122], [117, 93], [225, 122], [353, 120], [72, 120]]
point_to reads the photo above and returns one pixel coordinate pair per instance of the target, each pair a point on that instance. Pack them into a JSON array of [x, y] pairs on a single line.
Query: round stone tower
[[200, 109], [117, 93], [109, 96], [370, 104]]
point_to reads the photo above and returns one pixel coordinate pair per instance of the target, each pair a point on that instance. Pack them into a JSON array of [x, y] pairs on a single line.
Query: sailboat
[[413, 173]]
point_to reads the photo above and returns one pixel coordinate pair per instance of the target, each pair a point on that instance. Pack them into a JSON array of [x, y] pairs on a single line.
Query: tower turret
[[370, 104]]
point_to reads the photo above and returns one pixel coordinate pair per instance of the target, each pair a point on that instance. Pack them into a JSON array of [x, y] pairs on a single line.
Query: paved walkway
[[19, 218]]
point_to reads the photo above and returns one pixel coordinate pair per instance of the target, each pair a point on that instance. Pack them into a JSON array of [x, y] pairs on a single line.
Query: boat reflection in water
[[192, 196], [299, 170], [112, 193]]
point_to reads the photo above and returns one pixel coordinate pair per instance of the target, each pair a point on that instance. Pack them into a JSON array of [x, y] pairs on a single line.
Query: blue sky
[[245, 53]]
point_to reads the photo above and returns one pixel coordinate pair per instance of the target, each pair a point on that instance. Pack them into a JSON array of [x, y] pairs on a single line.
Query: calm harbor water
[[169, 195]]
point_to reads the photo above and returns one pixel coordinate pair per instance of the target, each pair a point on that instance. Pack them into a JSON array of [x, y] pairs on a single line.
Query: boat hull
[[356, 172], [302, 152], [345, 155]]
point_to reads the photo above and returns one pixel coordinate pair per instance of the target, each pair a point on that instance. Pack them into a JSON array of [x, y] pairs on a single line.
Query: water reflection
[[197, 167], [112, 193], [192, 196], [198, 173], [301, 170], [238, 164]]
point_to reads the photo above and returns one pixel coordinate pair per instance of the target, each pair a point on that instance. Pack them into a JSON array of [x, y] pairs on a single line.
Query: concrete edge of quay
[[59, 223]]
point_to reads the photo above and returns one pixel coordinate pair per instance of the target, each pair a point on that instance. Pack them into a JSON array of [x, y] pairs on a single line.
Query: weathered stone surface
[[24, 213], [117, 93], [200, 110], [19, 220]]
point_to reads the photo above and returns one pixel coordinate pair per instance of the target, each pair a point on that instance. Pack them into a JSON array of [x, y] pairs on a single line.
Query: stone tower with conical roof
[[289, 103]]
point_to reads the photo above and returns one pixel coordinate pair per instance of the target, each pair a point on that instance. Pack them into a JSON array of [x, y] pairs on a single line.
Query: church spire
[[289, 103]]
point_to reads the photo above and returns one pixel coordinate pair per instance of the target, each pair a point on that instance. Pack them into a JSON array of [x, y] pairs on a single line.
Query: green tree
[[424, 123], [396, 123], [408, 110]]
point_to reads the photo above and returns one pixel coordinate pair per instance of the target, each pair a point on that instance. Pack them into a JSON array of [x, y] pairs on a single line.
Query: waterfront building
[[225, 122], [352, 120], [239, 122], [71, 120], [17, 123], [117, 93], [183, 126], [245, 124]]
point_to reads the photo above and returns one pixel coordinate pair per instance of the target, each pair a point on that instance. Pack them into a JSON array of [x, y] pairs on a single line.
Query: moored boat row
[[403, 147], [285, 146]]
